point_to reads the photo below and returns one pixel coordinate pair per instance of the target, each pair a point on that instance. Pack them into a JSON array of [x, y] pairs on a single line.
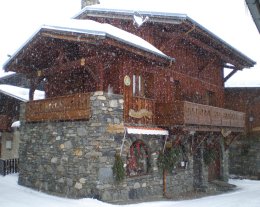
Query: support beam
[[90, 39], [230, 75], [34, 83]]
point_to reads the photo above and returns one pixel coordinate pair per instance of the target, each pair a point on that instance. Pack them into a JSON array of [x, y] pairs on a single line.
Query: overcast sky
[[228, 19]]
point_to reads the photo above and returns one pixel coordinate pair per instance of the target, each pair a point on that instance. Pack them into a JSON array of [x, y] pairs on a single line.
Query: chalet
[[244, 152], [122, 92]]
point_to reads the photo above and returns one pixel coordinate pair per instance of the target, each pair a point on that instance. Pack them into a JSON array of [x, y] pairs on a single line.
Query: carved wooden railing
[[5, 123], [71, 107], [188, 113], [139, 110]]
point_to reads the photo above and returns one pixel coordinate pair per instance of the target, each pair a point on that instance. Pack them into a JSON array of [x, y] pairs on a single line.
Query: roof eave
[[45, 29], [254, 8], [248, 62]]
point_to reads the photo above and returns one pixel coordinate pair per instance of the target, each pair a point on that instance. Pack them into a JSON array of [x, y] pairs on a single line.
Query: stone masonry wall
[[75, 159], [244, 156]]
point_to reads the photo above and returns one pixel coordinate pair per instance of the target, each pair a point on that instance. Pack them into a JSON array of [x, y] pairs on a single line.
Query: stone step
[[222, 186]]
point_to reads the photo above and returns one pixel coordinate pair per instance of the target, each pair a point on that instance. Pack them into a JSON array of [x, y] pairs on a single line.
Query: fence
[[9, 166]]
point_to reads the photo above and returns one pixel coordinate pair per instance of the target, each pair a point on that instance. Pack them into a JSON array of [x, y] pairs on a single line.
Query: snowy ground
[[13, 195]]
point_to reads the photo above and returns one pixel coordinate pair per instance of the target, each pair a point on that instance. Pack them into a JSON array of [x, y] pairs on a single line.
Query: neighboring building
[[9, 113], [13, 91], [244, 152], [254, 8], [15, 79], [131, 91], [11, 97]]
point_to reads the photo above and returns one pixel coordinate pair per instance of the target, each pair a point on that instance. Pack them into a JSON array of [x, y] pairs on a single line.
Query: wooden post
[[164, 182], [100, 81]]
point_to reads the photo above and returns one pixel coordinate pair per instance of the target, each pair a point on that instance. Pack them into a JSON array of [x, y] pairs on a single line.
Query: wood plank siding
[[5, 123], [70, 107], [139, 110]]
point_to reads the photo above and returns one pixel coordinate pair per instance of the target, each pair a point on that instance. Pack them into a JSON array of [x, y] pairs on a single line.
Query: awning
[[146, 130]]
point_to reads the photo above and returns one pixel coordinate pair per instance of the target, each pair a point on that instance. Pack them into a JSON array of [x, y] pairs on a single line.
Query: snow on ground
[[14, 195]]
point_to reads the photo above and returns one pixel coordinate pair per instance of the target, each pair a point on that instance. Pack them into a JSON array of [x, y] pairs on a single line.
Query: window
[[210, 98], [137, 160], [143, 85]]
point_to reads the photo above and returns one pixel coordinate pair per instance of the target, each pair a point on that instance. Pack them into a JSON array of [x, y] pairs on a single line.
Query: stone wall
[[75, 158], [244, 156]]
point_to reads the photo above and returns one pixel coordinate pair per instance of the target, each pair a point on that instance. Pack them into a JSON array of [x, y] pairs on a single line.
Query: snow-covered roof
[[19, 93], [90, 27], [4, 75], [102, 29], [121, 9]]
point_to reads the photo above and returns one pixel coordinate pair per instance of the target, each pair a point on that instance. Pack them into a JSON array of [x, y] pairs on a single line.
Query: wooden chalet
[[169, 75], [193, 86]]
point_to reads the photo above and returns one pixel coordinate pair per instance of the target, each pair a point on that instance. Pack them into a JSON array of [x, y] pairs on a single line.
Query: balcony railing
[[71, 107], [5, 123], [187, 113]]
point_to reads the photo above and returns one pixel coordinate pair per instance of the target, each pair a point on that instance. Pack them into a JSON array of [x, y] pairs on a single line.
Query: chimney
[[88, 3]]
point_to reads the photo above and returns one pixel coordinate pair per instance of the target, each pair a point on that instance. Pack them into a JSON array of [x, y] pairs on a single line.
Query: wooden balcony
[[63, 108], [191, 114], [5, 123]]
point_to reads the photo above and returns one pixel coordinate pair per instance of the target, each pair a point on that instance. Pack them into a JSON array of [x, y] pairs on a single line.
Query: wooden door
[[214, 168]]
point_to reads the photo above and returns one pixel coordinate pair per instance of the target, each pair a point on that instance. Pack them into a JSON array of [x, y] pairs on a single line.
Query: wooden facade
[[5, 123], [9, 112], [71, 107], [187, 92]]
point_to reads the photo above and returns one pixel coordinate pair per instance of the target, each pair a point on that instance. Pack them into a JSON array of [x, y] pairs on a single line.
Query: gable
[[170, 24], [42, 50]]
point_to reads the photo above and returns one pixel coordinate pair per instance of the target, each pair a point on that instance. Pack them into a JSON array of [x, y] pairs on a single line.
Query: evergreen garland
[[168, 159], [209, 155], [118, 168]]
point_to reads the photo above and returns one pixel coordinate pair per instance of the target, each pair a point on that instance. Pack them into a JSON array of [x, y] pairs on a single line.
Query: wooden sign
[[140, 114]]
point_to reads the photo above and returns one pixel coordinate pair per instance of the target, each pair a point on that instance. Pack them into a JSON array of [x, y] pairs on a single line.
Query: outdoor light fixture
[[8, 144]]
